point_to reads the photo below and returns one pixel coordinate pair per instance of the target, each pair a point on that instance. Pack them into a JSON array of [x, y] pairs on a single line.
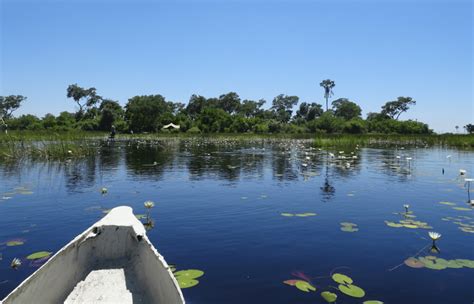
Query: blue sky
[[374, 50]]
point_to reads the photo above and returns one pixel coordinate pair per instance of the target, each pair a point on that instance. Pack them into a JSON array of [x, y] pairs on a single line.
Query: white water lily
[[149, 204], [406, 206], [409, 158], [103, 190], [462, 172], [434, 235], [16, 262]]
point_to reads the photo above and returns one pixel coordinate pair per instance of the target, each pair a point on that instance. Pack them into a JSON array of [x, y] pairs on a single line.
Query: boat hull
[[112, 260]]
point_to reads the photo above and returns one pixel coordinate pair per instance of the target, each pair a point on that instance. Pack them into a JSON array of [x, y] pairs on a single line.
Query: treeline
[[226, 113]]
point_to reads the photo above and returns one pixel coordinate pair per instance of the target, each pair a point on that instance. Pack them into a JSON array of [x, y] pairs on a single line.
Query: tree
[[395, 108], [195, 105], [9, 104], [85, 98], [469, 128], [328, 85], [49, 121], [110, 112], [251, 108], [309, 111], [346, 109], [282, 105], [229, 102], [144, 112]]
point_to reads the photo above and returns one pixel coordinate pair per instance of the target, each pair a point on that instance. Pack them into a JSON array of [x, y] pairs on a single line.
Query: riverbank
[[63, 145]]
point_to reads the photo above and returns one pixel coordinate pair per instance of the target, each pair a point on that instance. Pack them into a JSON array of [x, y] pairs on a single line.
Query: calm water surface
[[218, 209]]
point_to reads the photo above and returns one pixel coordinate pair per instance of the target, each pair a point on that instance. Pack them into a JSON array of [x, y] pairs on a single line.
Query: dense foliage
[[224, 114]]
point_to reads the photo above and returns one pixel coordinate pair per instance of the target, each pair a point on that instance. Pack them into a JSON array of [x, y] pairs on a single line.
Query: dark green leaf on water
[[342, 278], [329, 296], [39, 255], [305, 286], [352, 290]]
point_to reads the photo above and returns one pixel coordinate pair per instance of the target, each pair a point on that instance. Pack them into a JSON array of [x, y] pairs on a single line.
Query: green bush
[[193, 130]]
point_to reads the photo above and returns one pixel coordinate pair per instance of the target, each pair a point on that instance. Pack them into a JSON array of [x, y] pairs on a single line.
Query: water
[[218, 209]]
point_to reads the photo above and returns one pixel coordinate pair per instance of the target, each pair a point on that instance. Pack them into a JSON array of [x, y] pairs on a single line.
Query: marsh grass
[[69, 145], [48, 146]]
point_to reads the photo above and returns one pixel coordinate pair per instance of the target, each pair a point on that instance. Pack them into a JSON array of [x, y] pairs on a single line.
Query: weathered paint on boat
[[111, 261]]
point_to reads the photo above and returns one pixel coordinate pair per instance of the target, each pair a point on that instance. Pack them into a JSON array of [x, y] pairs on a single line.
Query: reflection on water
[[219, 204]]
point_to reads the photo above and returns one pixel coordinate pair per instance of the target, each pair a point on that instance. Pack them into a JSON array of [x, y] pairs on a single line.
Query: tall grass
[[66, 145]]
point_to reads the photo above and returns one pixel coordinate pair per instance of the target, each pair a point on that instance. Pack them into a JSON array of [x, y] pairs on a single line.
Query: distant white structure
[[171, 126]]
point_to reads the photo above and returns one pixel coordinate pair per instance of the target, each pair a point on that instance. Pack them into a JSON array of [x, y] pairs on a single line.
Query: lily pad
[[414, 263], [393, 224], [305, 286], [189, 274], [462, 208], [348, 224], [140, 216], [187, 283], [305, 214], [447, 203], [454, 264], [291, 282], [352, 290], [39, 255], [342, 278], [433, 264], [15, 243], [287, 214], [329, 296], [465, 263], [372, 302], [349, 229]]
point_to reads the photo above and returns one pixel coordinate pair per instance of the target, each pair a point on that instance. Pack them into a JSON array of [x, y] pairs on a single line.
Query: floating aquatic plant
[[305, 286], [15, 242], [16, 262], [149, 204], [349, 227], [39, 255], [372, 302], [103, 190], [187, 278], [406, 206], [346, 286], [329, 296]]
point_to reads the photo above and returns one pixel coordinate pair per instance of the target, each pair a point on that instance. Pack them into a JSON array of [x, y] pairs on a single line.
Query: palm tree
[[327, 84], [457, 128]]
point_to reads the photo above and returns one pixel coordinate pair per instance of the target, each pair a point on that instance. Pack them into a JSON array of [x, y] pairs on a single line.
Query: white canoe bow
[[113, 261]]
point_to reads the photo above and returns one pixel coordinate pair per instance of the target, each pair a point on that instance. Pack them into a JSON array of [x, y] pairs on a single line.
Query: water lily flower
[[409, 158], [16, 262], [462, 172], [398, 156], [103, 190], [434, 235], [69, 151], [406, 206], [149, 204]]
